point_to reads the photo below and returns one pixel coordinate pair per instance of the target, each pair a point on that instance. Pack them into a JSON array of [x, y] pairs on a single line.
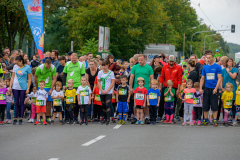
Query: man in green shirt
[[145, 71], [217, 54], [47, 72]]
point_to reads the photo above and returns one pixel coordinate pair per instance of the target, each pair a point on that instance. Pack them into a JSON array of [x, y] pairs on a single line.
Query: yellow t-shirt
[[70, 95], [238, 96], [227, 99]]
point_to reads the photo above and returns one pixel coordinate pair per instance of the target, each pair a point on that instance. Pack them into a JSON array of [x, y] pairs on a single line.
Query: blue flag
[[34, 12]]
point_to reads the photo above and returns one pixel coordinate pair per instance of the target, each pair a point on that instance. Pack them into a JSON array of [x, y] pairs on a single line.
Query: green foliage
[[90, 46]]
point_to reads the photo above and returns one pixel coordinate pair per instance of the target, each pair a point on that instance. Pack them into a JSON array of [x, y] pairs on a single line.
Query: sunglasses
[[160, 56]]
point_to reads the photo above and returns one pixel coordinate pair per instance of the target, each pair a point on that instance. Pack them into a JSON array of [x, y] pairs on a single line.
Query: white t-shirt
[[106, 80], [84, 93], [57, 101], [42, 95]]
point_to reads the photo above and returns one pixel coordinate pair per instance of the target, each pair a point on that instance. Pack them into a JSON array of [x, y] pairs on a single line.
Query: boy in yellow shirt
[[70, 95], [237, 104], [227, 97]]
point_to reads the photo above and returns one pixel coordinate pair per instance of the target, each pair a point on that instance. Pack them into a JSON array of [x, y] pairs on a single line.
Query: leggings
[[34, 107], [2, 111], [84, 112], [198, 113], [106, 103], [97, 111], [19, 94], [8, 107], [69, 109], [188, 106]]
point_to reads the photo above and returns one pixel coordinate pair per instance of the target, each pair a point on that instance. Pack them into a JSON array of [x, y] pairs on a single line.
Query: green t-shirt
[[169, 98], [74, 72], [217, 55], [144, 72], [45, 74]]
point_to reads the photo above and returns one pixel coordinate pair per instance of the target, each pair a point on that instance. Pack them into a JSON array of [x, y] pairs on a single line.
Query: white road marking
[[54, 159], [94, 140], [117, 126]]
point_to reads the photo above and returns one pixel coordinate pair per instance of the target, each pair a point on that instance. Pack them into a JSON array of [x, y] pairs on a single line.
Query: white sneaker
[[31, 120]]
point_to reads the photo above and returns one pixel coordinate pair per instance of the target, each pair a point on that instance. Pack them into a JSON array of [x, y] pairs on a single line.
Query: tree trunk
[[21, 37]]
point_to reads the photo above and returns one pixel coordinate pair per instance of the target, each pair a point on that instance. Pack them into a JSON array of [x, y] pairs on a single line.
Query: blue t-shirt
[[21, 77], [210, 73], [153, 96], [227, 78], [60, 69]]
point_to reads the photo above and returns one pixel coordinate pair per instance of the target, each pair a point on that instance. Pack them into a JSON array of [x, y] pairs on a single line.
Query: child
[[123, 71], [227, 97], [123, 98], [70, 95], [153, 100], [10, 101], [237, 104], [3, 102], [33, 96], [84, 99], [140, 99], [187, 97], [34, 62], [42, 97], [197, 104], [97, 104], [169, 97], [57, 96]]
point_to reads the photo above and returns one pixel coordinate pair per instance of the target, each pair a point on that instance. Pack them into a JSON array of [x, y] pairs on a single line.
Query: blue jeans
[[8, 107]]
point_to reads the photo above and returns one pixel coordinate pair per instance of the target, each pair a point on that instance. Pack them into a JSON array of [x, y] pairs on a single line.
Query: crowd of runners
[[79, 90]]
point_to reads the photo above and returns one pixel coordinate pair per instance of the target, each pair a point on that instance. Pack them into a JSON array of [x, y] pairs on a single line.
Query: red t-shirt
[[140, 95], [189, 95], [97, 99], [95, 82]]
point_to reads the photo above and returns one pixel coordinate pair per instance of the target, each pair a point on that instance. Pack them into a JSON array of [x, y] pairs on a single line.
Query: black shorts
[[210, 99], [57, 109], [139, 107]]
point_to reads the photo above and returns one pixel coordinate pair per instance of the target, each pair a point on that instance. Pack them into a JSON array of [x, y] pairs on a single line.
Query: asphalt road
[[74, 142]]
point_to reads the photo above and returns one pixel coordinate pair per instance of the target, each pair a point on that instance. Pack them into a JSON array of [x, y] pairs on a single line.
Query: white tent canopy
[[237, 57]]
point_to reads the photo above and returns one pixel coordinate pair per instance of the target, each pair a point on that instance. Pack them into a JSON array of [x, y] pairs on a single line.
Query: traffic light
[[233, 28]]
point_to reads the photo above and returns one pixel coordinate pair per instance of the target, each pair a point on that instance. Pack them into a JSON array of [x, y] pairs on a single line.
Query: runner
[[217, 54], [213, 73], [55, 62]]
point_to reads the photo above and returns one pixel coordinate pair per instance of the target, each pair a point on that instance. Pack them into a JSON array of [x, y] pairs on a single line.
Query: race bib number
[[167, 98], [57, 102], [139, 96], [210, 76], [228, 103], [33, 100], [189, 96], [97, 98], [84, 93], [196, 101], [122, 92], [70, 99], [40, 102], [152, 96], [2, 96]]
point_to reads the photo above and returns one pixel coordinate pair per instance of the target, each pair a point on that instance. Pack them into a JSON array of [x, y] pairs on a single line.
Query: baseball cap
[[70, 53], [156, 56], [217, 50], [172, 58]]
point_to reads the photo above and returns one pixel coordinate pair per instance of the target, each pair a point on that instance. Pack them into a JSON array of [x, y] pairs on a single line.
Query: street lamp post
[[205, 38], [184, 39]]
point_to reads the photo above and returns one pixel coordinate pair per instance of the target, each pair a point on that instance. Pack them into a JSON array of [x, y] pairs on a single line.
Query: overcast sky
[[222, 13]]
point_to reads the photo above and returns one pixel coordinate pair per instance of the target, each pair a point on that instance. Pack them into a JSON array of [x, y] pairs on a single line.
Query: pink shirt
[[189, 95]]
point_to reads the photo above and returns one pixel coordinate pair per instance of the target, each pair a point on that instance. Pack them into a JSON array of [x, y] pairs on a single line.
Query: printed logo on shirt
[[122, 92], [19, 72]]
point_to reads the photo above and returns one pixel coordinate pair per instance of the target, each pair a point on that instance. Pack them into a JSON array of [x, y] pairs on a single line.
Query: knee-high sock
[[124, 116], [120, 116]]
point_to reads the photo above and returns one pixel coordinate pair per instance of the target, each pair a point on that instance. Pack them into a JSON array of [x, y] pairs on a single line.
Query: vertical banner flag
[[100, 38], [34, 12], [107, 39]]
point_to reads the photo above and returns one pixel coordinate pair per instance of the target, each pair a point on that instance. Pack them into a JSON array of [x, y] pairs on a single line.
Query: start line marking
[[54, 159], [117, 126], [93, 141]]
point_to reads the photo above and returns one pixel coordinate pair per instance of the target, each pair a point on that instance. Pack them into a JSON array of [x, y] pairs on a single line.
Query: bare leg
[[60, 115], [215, 113], [44, 116], [38, 116], [205, 114], [138, 113], [141, 111]]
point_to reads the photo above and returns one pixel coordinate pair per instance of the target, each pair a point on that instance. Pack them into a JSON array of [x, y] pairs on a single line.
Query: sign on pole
[[100, 38], [71, 45], [107, 39]]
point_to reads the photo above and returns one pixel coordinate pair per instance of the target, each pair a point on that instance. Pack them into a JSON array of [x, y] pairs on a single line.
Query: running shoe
[[52, 122], [171, 122], [61, 122], [6, 121], [147, 121], [36, 123], [191, 124], [199, 122], [44, 122], [71, 122], [14, 121], [123, 122], [134, 121], [184, 123], [1, 123], [107, 123], [137, 122], [141, 122], [81, 123], [119, 122], [204, 122], [177, 118], [215, 123], [76, 121], [194, 122], [234, 123], [103, 122], [48, 120], [31, 120], [113, 120], [151, 123], [166, 121], [158, 120], [41, 121], [20, 122], [86, 123], [225, 124]]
